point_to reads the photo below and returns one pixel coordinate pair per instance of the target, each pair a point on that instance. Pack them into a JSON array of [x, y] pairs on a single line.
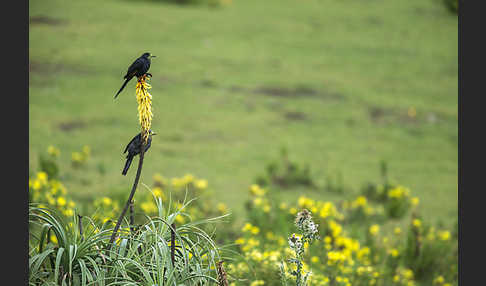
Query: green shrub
[[285, 173]]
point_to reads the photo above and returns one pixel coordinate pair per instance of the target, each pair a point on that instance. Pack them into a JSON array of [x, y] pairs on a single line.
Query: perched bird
[[134, 148], [139, 67]]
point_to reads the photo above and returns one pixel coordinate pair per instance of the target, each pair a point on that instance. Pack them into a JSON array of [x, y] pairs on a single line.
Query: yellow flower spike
[[144, 100]]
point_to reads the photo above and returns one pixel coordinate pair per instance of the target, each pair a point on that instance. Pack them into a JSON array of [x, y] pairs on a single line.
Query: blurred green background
[[341, 84]]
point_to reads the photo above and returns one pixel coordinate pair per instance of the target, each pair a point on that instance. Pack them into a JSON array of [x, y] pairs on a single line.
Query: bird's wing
[[136, 65], [131, 141]]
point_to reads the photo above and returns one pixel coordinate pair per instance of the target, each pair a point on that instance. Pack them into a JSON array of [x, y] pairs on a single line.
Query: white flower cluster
[[305, 224], [296, 244]]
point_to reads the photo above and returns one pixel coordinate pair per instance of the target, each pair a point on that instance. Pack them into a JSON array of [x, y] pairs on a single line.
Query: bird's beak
[[152, 56]]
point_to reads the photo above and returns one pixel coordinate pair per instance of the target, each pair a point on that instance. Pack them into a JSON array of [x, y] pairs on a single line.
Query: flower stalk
[[297, 243], [144, 100]]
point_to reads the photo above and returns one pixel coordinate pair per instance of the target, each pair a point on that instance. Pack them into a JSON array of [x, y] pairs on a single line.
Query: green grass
[[357, 56]]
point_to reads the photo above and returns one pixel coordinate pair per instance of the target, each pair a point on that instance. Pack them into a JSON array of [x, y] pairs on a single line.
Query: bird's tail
[[122, 87], [127, 165]]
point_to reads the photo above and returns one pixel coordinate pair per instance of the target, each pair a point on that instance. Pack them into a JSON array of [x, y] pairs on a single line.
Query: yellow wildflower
[[256, 190], [53, 151], [393, 252], [257, 283], [266, 208], [36, 185], [240, 240], [327, 239], [53, 238], [439, 279], [158, 192], [417, 223], [180, 219], [246, 227], [414, 201], [408, 274], [257, 201], [222, 208], [106, 201], [255, 230], [86, 150], [68, 212], [148, 207], [201, 184], [444, 235], [374, 229], [360, 201], [61, 201], [269, 235]]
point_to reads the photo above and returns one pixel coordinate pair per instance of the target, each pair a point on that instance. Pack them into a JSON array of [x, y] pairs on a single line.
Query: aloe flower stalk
[[145, 115], [144, 99]]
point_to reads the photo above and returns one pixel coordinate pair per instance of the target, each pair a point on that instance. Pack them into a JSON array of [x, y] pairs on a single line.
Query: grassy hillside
[[341, 84]]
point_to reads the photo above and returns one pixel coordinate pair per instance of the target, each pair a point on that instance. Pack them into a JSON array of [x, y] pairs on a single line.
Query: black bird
[[134, 148], [139, 67]]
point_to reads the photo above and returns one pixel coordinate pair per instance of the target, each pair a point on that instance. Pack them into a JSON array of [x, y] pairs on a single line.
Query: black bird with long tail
[[134, 148], [138, 68]]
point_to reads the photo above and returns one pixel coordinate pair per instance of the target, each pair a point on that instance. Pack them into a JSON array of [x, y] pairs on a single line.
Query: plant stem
[[80, 224], [172, 243], [132, 220], [130, 198]]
